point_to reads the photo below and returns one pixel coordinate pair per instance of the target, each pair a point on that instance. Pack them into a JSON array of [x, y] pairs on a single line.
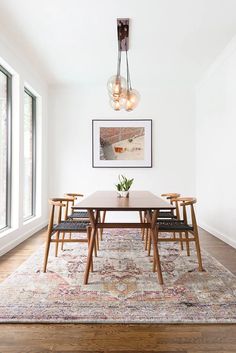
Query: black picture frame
[[100, 163]]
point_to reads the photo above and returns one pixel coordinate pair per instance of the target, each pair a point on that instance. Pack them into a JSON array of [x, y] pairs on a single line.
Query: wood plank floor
[[71, 338]]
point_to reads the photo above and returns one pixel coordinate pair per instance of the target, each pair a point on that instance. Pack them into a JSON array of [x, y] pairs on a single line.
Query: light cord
[[118, 63], [127, 72]]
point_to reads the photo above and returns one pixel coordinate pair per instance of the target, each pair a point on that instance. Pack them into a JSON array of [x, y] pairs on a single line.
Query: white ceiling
[[74, 41]]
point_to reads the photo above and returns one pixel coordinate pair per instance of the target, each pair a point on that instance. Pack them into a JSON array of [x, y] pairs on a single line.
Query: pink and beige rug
[[123, 288]]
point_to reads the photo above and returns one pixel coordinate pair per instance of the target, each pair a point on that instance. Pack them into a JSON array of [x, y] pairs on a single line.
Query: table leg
[[97, 233], [103, 221], [93, 221], [141, 221], [152, 218]]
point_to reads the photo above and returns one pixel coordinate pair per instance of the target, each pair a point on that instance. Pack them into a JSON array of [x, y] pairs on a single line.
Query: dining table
[[144, 202]]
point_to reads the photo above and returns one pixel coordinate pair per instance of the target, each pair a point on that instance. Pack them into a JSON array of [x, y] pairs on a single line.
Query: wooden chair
[[167, 214], [84, 215], [72, 215], [172, 214], [62, 227], [76, 214], [189, 229]]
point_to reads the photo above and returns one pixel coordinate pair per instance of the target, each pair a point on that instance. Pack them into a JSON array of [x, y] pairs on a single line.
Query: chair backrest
[[74, 194], [69, 205], [171, 196], [185, 202], [56, 206]]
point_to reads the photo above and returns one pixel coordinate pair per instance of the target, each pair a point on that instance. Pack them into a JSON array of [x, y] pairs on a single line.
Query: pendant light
[[120, 91]]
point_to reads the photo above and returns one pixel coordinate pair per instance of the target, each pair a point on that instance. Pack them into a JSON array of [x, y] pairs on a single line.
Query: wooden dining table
[[140, 201]]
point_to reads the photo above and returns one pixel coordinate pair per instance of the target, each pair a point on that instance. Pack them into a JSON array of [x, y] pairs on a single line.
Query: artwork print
[[122, 143]]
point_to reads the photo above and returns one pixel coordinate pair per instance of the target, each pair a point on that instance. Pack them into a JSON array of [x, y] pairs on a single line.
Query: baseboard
[[19, 239], [217, 234]]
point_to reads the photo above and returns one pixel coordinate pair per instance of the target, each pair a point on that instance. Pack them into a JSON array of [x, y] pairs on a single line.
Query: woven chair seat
[[70, 226], [163, 214], [173, 225], [79, 214]]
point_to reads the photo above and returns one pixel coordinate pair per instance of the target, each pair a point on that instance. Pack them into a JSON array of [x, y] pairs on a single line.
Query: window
[[5, 148], [29, 154]]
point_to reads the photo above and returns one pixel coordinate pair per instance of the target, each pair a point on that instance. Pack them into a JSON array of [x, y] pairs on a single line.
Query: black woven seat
[[70, 226], [163, 214], [79, 214], [173, 225]]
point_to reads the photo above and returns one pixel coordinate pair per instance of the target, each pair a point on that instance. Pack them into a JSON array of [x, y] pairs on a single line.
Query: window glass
[[29, 155], [4, 151]]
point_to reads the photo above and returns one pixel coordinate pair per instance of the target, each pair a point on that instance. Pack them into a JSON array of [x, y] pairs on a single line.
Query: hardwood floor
[[68, 338]]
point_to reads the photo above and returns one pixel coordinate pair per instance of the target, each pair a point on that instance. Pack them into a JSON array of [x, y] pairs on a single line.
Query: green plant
[[124, 183]]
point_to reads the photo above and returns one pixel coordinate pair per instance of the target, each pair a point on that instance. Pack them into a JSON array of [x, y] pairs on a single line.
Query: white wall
[[71, 111], [216, 147], [24, 73]]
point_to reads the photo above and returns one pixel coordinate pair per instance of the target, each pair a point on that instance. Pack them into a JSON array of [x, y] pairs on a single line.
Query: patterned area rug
[[123, 288]]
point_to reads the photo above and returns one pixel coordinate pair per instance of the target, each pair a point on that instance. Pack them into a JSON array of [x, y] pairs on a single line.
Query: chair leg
[[181, 241], [146, 238], [187, 244], [198, 249], [47, 252], [95, 245], [63, 238], [56, 244], [149, 242], [97, 240], [143, 233]]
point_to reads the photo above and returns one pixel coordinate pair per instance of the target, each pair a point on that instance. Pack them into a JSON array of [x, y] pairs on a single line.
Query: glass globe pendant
[[115, 105], [117, 96], [132, 100], [120, 92], [115, 85], [132, 96], [118, 103]]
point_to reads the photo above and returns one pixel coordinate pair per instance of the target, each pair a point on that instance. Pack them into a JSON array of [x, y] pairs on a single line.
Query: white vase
[[123, 193]]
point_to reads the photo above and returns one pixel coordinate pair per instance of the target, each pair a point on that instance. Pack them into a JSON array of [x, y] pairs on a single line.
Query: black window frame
[[9, 149], [34, 154]]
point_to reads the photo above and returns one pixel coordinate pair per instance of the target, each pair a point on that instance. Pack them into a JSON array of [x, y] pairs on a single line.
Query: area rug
[[122, 289]]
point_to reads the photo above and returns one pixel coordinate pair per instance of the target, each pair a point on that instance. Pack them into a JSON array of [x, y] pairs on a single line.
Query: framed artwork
[[122, 143]]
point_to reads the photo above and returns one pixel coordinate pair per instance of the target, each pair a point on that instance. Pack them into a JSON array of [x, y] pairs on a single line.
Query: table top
[[137, 200]]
